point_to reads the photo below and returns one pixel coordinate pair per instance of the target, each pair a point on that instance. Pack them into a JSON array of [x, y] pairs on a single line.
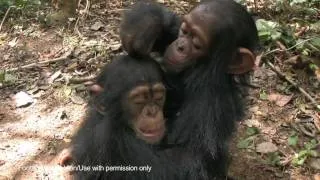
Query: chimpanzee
[[124, 124], [207, 57]]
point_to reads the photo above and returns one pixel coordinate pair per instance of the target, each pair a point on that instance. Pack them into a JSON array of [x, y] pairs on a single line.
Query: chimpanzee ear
[[95, 89], [243, 62]]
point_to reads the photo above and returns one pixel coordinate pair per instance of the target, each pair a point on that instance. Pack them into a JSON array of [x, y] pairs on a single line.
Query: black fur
[[203, 102], [106, 138]]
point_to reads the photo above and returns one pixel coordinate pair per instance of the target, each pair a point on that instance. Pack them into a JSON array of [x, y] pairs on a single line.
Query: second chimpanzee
[[207, 56], [125, 122]]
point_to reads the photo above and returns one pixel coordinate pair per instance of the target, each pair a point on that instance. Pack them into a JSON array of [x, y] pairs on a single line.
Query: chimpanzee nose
[[152, 110], [181, 45], [180, 48]]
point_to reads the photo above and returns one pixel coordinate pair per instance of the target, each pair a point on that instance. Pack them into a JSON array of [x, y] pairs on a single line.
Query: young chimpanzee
[[207, 56], [124, 124]]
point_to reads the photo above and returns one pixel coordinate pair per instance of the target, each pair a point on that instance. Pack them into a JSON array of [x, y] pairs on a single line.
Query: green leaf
[[293, 140], [315, 27], [299, 161], [263, 95], [2, 76], [268, 30], [300, 158], [245, 143], [311, 145], [264, 36], [275, 35], [10, 78], [313, 153], [315, 42], [293, 2], [313, 66], [252, 131], [300, 44], [274, 158]]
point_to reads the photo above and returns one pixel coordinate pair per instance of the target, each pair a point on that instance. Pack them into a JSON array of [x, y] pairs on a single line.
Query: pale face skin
[[145, 104], [192, 43]]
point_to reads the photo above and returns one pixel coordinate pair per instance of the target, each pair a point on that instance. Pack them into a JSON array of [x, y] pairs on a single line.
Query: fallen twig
[[83, 79], [86, 11], [281, 50], [5, 16], [42, 62], [308, 96]]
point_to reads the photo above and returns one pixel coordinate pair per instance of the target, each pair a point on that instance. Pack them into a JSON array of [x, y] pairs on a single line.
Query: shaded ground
[[31, 137]]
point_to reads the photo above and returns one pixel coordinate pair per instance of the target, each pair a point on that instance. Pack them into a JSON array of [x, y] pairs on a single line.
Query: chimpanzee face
[[192, 43], [144, 104], [196, 37]]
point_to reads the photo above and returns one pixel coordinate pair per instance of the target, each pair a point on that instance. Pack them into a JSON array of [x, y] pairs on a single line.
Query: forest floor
[[278, 139]]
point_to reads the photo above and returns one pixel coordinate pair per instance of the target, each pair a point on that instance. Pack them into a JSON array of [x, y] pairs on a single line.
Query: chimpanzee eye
[[159, 99], [196, 43], [139, 102], [196, 46]]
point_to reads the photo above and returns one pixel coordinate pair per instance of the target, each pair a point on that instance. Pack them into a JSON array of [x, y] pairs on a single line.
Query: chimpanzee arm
[[205, 124], [148, 27]]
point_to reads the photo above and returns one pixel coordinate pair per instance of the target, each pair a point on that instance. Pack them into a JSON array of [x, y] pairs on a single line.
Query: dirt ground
[[32, 136]]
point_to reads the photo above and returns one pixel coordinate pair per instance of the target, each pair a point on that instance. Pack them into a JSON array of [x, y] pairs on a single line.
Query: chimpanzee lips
[[152, 132], [175, 61]]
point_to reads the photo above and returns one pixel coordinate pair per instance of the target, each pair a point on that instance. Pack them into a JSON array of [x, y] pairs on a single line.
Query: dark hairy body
[[124, 125], [207, 57]]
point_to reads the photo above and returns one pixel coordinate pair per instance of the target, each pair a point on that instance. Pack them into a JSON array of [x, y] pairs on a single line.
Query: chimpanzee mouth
[[175, 64], [152, 132], [174, 61]]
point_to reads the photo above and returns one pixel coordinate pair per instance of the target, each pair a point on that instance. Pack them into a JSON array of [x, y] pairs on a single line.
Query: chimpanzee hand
[[138, 37], [148, 27]]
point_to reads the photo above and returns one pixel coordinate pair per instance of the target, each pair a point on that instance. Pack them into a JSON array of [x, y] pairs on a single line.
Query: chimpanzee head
[[133, 95], [211, 30]]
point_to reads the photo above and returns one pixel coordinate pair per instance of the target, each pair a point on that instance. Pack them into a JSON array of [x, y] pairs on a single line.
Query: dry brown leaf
[[266, 147], [279, 99], [293, 60], [315, 163], [317, 73], [316, 119]]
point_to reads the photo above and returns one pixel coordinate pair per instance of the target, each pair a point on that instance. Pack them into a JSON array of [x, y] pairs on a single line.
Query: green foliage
[[7, 78], [252, 131], [273, 159], [292, 2], [307, 7], [26, 3], [303, 3], [311, 47], [248, 142], [311, 145], [4, 5], [293, 139], [315, 27], [2, 76], [268, 30], [308, 151], [263, 95], [19, 4]]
